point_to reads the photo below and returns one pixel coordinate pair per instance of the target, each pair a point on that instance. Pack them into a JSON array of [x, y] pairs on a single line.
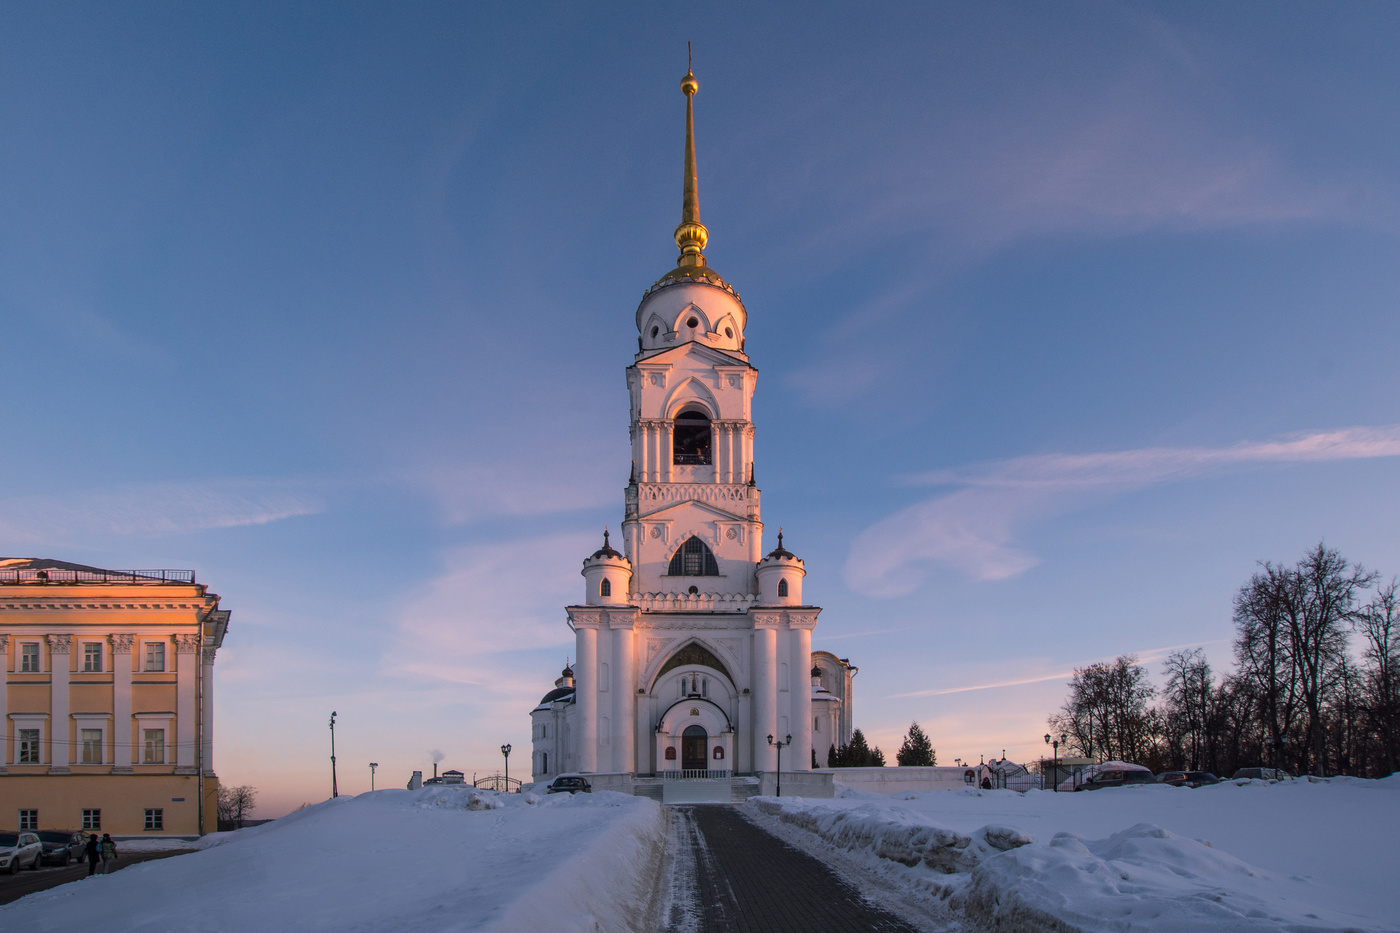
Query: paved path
[[733, 877], [13, 887]]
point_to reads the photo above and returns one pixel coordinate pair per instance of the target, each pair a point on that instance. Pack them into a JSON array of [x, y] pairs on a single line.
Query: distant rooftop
[[44, 570]]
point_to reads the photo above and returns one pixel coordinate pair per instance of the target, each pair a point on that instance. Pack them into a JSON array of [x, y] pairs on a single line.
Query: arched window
[[782, 587], [606, 588], [690, 444], [693, 559], [544, 762]]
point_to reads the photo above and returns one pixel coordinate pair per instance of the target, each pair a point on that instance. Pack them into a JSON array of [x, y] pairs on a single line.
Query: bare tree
[[1186, 707], [1380, 626], [235, 805], [1107, 710]]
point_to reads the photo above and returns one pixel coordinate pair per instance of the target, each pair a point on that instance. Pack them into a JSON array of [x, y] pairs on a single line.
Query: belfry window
[[606, 588], [691, 439], [694, 559], [782, 587]]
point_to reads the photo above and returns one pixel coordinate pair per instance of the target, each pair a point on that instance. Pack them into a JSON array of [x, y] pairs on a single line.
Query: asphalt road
[[13, 887]]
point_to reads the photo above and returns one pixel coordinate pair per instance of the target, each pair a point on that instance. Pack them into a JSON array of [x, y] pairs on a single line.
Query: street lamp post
[[780, 745], [505, 753], [372, 766], [1055, 768], [334, 791]]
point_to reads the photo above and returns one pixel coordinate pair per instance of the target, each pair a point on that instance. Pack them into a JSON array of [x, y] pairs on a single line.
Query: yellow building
[[107, 699]]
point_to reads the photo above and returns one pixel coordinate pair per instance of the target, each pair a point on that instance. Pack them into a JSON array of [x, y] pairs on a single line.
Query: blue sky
[[1065, 318]]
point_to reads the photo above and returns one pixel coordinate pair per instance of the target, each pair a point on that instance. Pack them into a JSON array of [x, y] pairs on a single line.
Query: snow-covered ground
[[440, 858], [1297, 856]]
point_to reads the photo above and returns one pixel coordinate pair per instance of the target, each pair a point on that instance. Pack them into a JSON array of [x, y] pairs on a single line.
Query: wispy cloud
[[538, 486], [153, 510], [1144, 656], [974, 528], [490, 598]]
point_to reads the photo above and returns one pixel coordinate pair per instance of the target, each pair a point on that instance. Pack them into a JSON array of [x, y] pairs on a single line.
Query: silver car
[[20, 850]]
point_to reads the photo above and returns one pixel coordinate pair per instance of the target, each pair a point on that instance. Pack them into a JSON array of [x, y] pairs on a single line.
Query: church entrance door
[[693, 745]]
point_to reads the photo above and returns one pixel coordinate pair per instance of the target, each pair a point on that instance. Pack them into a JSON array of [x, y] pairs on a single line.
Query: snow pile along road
[[440, 858], [1151, 858]]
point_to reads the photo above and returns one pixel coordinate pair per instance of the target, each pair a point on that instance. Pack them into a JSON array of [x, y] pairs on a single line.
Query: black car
[[60, 847], [1188, 778], [569, 784], [1117, 779]]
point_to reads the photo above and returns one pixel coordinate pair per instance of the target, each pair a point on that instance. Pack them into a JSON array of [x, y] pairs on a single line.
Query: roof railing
[[17, 577]]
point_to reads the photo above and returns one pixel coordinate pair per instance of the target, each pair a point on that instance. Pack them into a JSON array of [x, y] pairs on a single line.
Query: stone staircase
[[742, 788]]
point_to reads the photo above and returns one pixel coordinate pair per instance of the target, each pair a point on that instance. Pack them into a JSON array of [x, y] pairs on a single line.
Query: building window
[[690, 444], [606, 588], [782, 587], [544, 730], [92, 746], [29, 658], [155, 820], [92, 819], [155, 656], [544, 762], [693, 559], [29, 746], [92, 657], [29, 820], [154, 753]]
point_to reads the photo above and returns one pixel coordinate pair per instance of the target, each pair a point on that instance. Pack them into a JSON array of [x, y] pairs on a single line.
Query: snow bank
[[1297, 856], [443, 858]]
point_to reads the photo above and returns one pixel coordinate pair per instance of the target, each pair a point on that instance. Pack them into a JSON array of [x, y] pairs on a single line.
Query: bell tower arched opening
[[692, 440], [693, 559]]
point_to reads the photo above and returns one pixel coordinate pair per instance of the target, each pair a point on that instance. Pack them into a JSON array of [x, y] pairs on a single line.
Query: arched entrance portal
[[694, 742]]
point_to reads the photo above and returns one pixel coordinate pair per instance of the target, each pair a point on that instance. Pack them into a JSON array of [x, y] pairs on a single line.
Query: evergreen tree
[[858, 754], [833, 757], [917, 751]]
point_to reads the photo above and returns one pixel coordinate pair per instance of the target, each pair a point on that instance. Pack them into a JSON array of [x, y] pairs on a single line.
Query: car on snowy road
[[569, 784], [1187, 778], [61, 847], [20, 850]]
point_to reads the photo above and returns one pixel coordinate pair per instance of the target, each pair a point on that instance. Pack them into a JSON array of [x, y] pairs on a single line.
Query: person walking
[[93, 851], [109, 853]]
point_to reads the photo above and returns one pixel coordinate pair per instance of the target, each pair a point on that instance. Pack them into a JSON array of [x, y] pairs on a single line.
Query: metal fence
[[15, 576], [695, 774]]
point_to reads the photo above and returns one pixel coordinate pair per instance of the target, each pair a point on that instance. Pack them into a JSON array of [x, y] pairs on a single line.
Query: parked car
[[569, 784], [1116, 778], [20, 850], [60, 847], [1187, 778], [1262, 774], [1088, 775]]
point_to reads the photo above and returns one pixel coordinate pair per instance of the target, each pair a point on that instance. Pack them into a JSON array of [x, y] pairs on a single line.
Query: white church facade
[[693, 646]]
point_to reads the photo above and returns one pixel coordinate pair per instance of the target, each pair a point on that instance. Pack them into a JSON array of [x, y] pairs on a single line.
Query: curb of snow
[[606, 888]]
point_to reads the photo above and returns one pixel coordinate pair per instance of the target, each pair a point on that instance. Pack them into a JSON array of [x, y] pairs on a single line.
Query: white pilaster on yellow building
[[107, 699]]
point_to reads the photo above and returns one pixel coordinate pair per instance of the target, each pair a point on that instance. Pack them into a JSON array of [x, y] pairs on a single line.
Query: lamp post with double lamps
[[505, 753], [1055, 768], [372, 766], [780, 745]]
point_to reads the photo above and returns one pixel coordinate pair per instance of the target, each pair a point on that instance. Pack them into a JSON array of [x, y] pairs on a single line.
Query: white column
[[586, 691], [668, 447], [5, 727], [801, 697], [121, 703], [624, 694], [60, 750], [207, 716], [765, 704], [187, 657]]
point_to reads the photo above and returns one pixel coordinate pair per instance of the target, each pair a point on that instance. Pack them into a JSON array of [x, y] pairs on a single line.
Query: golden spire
[[691, 235]]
